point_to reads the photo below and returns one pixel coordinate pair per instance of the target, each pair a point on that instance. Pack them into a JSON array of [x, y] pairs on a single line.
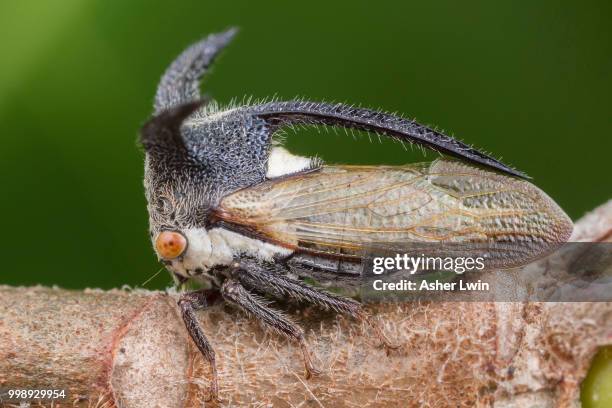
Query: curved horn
[[181, 82], [163, 131], [285, 113]]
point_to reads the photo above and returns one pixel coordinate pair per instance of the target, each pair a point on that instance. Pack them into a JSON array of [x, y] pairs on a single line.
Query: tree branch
[[130, 349]]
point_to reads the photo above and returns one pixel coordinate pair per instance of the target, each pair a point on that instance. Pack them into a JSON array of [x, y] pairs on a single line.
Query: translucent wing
[[354, 211]]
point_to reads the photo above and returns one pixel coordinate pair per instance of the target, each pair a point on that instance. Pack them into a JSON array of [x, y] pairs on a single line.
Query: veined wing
[[356, 211]]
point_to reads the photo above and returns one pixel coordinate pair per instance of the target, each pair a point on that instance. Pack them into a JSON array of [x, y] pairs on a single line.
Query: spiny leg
[[189, 303], [235, 293], [272, 278]]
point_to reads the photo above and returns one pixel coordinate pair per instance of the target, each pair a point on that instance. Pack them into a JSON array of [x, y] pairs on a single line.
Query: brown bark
[[130, 349]]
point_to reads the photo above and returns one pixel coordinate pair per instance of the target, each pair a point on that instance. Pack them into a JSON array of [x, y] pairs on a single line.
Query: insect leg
[[189, 303], [235, 293], [272, 278]]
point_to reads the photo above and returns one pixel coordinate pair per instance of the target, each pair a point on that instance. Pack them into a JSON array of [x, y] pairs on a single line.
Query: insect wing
[[360, 211]]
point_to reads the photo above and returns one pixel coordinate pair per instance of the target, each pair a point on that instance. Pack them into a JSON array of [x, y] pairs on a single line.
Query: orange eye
[[170, 244]]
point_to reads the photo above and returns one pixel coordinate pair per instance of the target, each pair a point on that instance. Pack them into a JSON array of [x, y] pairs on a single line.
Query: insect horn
[[280, 114], [162, 132], [181, 82]]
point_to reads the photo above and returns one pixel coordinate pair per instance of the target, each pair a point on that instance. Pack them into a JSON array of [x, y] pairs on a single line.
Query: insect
[[229, 208]]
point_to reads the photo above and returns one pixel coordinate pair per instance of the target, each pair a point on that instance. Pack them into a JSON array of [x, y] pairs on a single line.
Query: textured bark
[[130, 349]]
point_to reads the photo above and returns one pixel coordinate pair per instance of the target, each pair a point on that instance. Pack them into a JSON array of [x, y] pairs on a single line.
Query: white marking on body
[[206, 249], [281, 162]]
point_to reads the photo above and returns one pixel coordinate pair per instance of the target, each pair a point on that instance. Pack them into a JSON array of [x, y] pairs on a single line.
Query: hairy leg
[[235, 293], [189, 303], [272, 278]]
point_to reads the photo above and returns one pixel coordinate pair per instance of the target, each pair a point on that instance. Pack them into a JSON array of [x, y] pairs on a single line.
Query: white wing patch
[[281, 163]]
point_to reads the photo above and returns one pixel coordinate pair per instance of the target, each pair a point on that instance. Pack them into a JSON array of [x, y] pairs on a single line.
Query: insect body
[[227, 207]]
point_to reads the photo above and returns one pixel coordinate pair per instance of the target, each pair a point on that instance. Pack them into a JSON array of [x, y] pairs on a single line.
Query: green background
[[529, 81]]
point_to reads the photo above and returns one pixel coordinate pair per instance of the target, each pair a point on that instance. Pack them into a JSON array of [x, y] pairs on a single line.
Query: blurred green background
[[528, 81]]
